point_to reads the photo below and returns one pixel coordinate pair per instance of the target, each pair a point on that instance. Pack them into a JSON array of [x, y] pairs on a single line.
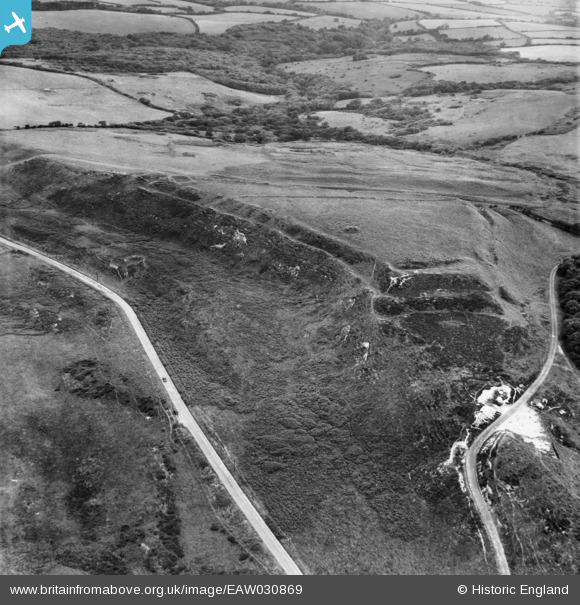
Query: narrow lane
[[470, 469], [184, 415]]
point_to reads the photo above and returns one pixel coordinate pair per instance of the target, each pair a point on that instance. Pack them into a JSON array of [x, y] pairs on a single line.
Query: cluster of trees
[[445, 86], [266, 123], [569, 296]]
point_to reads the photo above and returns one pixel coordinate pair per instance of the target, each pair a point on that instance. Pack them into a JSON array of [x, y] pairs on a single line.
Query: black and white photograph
[[290, 288]]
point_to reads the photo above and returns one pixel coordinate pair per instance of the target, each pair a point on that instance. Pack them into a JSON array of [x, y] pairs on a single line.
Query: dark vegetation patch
[[569, 298], [473, 302], [419, 283], [459, 339], [254, 51], [91, 379], [564, 225]]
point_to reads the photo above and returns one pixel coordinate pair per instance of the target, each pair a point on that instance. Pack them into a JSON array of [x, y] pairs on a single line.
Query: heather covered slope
[[263, 325]]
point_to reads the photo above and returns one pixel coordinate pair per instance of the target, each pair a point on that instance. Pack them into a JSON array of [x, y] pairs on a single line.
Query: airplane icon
[[17, 23]]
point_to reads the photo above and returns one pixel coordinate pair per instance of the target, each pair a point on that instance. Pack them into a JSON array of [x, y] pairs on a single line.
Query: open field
[[365, 10], [530, 28], [555, 52], [378, 75], [556, 34], [218, 24], [405, 26], [328, 22], [555, 152], [183, 90], [196, 7], [154, 4], [452, 12], [538, 8], [422, 37], [476, 33], [459, 23], [266, 9], [366, 124], [134, 151], [494, 114], [107, 22], [522, 72], [35, 97], [544, 41]]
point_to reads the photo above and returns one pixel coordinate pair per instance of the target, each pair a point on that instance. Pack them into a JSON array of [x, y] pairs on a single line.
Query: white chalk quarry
[[527, 424], [498, 395]]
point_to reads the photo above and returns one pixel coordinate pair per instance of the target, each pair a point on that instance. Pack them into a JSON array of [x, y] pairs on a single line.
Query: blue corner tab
[[15, 22]]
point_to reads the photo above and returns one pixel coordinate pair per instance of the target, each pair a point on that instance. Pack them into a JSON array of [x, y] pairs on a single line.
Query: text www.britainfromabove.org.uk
[[161, 591]]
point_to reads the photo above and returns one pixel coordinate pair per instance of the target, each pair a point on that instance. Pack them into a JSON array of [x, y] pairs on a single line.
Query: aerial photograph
[[290, 287]]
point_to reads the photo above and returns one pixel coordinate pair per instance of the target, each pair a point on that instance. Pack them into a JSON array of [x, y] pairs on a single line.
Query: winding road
[[470, 469], [184, 416]]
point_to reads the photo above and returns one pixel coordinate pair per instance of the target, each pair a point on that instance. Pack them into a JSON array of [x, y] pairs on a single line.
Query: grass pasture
[[476, 33], [558, 53], [573, 34], [460, 23], [328, 22], [108, 22], [37, 97], [219, 23], [266, 9], [365, 10], [366, 124], [134, 151], [523, 72], [379, 75], [545, 41], [196, 7], [452, 12], [182, 90], [530, 28], [494, 114], [403, 27], [422, 37], [556, 152]]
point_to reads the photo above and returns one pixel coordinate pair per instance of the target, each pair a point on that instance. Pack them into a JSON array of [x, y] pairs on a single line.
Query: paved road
[[184, 415], [470, 470]]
